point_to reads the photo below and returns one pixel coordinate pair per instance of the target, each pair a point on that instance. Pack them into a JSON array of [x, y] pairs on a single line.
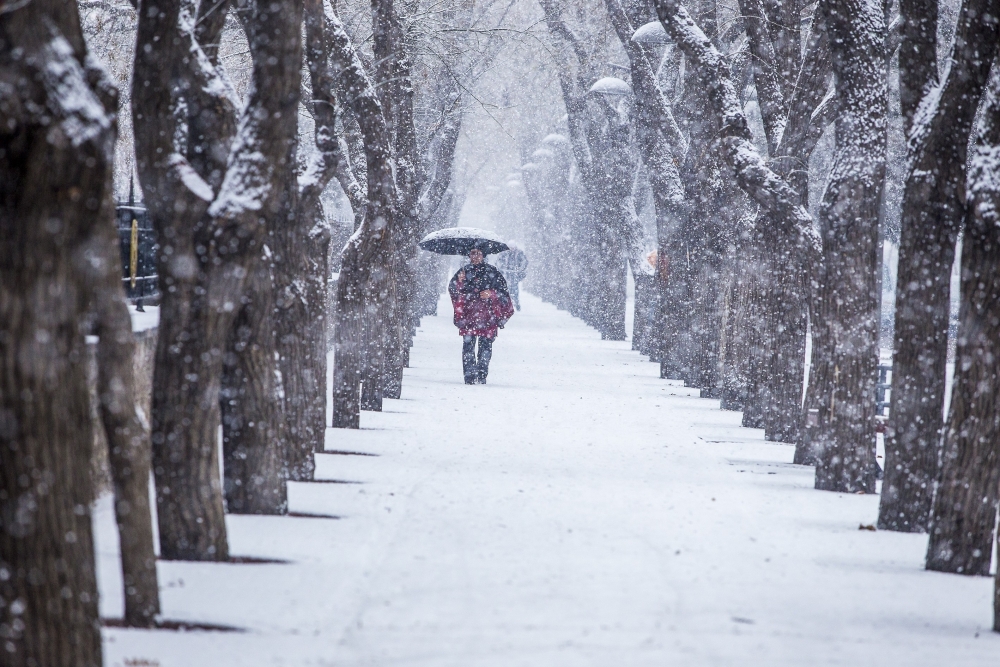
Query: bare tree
[[765, 187], [933, 210], [845, 316], [965, 505], [787, 95], [601, 145], [366, 284], [302, 326], [661, 146], [212, 232]]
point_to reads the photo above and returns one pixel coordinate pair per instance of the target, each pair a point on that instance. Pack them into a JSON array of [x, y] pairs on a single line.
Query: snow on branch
[[190, 178], [764, 186], [247, 182], [984, 163], [81, 115]]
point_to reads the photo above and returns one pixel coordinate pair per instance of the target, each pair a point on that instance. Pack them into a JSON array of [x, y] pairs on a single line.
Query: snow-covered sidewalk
[[577, 510]]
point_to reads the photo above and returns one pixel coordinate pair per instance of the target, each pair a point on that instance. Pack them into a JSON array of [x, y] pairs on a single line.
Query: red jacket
[[474, 314]]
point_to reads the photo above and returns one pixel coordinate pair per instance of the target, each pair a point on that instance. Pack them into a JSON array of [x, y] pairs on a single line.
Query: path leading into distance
[[575, 511]]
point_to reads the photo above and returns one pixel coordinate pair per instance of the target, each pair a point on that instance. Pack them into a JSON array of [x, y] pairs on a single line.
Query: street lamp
[[611, 87], [651, 34]]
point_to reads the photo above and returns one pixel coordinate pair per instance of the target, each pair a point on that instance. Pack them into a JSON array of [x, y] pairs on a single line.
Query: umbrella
[[461, 240]]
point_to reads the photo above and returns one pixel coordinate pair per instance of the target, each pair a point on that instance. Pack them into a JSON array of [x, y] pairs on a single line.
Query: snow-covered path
[[577, 510]]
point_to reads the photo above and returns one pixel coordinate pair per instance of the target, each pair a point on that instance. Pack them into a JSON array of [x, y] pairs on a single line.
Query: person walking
[[482, 305], [513, 264]]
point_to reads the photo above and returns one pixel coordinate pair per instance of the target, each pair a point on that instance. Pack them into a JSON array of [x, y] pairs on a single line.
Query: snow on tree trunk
[[384, 372], [302, 325], [845, 322], [933, 209], [791, 88], [55, 169], [965, 505], [918, 67], [365, 287], [211, 237]]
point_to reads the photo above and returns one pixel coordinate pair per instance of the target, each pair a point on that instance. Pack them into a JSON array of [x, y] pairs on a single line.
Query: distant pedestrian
[[482, 305], [514, 266]]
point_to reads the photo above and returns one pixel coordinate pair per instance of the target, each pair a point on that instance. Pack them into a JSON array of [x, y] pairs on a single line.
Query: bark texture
[[255, 435], [57, 140], [933, 210], [918, 68], [965, 505]]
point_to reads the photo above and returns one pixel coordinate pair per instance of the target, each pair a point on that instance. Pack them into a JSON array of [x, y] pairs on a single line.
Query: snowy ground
[[577, 510]]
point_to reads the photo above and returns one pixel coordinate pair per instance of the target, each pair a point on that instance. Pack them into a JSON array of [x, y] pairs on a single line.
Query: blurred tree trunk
[[845, 326], [212, 230], [365, 287], [57, 142], [965, 506], [125, 423], [753, 338], [933, 210], [811, 107]]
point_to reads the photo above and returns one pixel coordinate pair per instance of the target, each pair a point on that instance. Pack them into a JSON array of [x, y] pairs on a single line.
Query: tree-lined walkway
[[577, 510]]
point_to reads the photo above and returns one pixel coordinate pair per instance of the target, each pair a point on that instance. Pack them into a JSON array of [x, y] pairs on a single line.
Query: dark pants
[[476, 369]]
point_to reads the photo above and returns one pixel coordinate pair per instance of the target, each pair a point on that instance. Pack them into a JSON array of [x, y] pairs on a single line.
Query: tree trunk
[[367, 268], [601, 148], [125, 424], [786, 348], [757, 398], [791, 222], [55, 163], [392, 82], [300, 271], [933, 206], [965, 506], [790, 89], [845, 352], [254, 429], [211, 241], [314, 239], [996, 597]]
